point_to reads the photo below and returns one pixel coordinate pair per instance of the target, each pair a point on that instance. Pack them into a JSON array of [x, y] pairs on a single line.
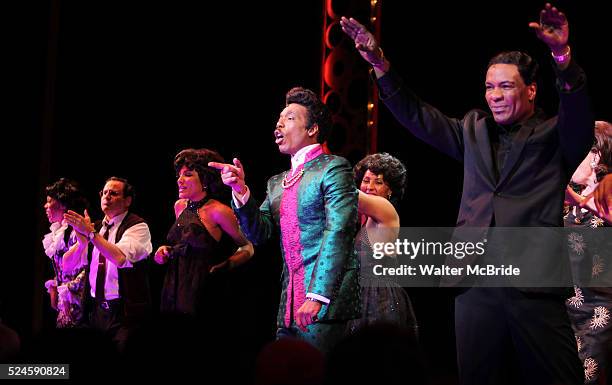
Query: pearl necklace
[[291, 181]]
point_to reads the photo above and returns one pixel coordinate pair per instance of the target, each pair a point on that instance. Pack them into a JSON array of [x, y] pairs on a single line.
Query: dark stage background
[[131, 83]]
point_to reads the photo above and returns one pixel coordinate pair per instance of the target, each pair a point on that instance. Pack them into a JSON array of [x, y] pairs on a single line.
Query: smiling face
[[189, 185], [373, 184], [508, 97], [292, 132], [54, 210]]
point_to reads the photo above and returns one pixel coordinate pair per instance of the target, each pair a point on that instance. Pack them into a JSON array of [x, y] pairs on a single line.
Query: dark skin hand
[[552, 29]]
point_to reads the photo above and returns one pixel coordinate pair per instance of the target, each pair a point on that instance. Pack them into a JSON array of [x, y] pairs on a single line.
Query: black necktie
[[101, 276]]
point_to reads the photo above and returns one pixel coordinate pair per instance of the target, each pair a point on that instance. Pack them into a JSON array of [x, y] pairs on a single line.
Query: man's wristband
[[563, 58]]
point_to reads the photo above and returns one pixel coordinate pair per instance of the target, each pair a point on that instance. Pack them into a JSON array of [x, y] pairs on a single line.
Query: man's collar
[[299, 157], [116, 219]]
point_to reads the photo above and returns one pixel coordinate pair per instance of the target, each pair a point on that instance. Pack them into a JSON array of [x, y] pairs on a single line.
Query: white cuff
[[318, 298], [49, 284], [240, 201]]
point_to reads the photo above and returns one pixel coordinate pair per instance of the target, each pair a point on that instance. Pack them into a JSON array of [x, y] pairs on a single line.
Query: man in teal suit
[[314, 205]]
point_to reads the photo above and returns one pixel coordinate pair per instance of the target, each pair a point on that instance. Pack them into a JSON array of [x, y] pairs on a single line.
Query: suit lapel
[[484, 157]]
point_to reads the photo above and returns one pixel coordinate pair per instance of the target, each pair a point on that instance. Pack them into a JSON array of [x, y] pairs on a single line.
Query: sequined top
[[383, 300]]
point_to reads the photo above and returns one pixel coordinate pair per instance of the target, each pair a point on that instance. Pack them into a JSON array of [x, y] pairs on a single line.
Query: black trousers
[[107, 316], [506, 336]]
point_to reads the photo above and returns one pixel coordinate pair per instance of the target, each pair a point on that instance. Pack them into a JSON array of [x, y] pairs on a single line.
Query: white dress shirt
[[135, 244]]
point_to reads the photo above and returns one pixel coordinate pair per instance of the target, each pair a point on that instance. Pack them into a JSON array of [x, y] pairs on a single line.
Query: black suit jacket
[[544, 154]]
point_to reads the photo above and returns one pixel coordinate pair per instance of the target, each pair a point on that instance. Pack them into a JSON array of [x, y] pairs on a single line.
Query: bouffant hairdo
[[197, 160], [603, 147], [68, 193], [392, 169]]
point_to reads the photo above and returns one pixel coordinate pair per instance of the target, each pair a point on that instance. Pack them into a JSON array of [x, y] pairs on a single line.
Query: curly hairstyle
[[603, 147], [391, 168], [317, 110], [197, 160], [68, 193], [527, 66]]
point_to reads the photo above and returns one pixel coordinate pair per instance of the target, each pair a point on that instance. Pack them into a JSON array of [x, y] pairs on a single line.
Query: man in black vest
[[516, 165], [117, 283]]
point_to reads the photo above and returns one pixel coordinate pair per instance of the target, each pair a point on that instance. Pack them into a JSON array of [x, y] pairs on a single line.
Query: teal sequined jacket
[[319, 257]]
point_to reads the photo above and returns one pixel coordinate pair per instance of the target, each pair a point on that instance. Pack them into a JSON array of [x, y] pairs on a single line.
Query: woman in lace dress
[[67, 251]]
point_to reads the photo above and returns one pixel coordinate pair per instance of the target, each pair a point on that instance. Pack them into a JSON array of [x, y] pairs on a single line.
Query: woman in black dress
[[381, 179], [204, 242]]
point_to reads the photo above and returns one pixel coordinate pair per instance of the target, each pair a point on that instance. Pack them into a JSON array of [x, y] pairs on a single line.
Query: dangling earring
[[594, 161], [593, 164]]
